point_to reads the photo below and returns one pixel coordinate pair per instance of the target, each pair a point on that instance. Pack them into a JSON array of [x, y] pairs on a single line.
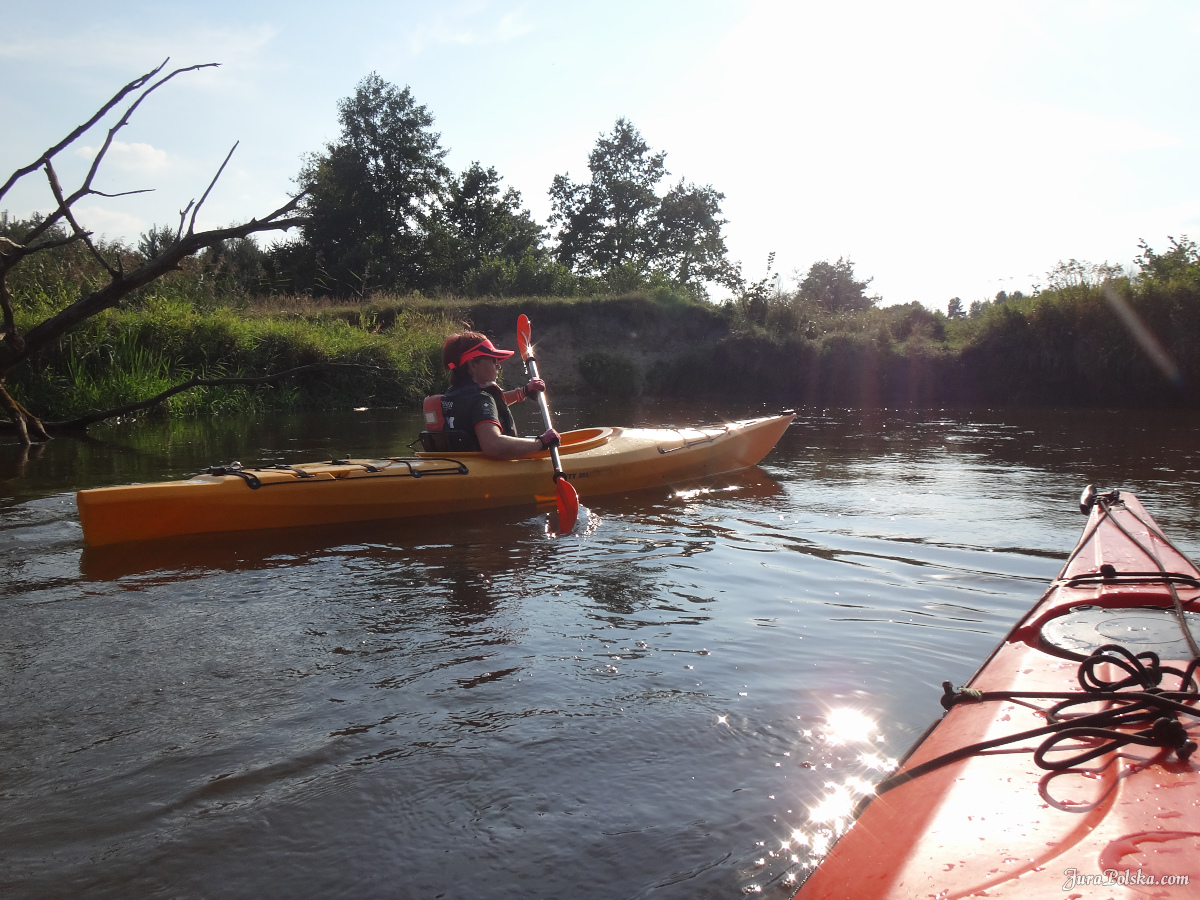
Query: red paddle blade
[[523, 342], [568, 505]]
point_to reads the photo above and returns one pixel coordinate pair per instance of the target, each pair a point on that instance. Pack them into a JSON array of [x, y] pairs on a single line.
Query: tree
[[1080, 273], [155, 240], [605, 222], [617, 227], [1181, 260], [236, 267], [372, 196], [833, 287], [689, 246], [60, 229], [481, 224], [954, 309]]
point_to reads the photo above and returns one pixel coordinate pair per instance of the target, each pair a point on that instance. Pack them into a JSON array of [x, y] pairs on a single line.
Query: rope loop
[[1152, 709], [1166, 732], [1145, 675]]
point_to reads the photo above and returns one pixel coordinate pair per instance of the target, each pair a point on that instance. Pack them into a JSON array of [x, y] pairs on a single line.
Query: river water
[[666, 704]]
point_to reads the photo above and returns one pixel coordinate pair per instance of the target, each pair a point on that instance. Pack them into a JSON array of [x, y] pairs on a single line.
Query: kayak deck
[[596, 460], [1046, 815]]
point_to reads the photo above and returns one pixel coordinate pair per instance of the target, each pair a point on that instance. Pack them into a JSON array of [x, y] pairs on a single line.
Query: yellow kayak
[[596, 460]]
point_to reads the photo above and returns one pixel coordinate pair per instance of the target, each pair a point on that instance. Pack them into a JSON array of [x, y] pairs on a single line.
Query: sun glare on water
[[848, 726]]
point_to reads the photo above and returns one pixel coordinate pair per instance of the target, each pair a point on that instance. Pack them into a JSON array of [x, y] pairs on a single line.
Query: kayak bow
[[1068, 755]]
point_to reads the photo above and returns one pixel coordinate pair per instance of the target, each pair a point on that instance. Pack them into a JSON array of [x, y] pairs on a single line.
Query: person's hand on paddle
[[566, 496], [534, 387]]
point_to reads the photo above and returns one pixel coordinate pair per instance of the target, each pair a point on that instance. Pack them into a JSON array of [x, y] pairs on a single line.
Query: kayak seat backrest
[[447, 442]]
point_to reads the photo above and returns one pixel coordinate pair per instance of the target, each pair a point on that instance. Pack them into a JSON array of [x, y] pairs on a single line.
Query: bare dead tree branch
[[211, 185], [122, 193], [15, 347], [74, 135], [183, 218], [66, 212], [9, 334], [24, 421], [14, 414], [86, 187], [124, 120]]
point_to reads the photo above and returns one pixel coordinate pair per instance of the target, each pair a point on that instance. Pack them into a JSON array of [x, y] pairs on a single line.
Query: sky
[[949, 149]]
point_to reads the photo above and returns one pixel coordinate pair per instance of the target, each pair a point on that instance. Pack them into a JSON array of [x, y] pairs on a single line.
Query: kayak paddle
[[568, 499]]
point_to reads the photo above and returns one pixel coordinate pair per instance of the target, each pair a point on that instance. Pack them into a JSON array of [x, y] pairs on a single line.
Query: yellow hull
[[596, 460]]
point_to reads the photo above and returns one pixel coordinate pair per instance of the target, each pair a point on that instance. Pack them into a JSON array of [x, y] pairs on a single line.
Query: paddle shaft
[[531, 365]]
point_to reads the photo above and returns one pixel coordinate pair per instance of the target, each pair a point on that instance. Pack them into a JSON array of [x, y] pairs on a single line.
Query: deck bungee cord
[[1149, 704], [414, 471], [1144, 673], [1071, 749], [1106, 502]]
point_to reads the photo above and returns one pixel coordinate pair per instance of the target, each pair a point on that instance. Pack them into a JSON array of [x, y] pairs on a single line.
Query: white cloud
[[108, 223], [130, 157], [466, 26]]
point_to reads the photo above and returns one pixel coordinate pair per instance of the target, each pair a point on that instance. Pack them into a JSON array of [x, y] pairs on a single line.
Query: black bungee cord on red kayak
[[1106, 502], [1147, 704], [1138, 697], [1140, 700]]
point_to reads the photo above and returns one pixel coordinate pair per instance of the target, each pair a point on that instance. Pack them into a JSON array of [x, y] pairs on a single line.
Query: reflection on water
[[683, 699]]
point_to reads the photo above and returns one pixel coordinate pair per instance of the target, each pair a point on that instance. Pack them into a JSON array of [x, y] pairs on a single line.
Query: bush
[[531, 276]]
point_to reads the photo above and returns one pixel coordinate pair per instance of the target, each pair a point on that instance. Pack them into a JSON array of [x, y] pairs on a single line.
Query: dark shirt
[[469, 405]]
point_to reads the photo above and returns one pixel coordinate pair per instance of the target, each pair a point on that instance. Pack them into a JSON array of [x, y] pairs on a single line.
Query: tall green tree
[[372, 196], [689, 247], [605, 223], [618, 227], [833, 287], [484, 222], [1181, 261]]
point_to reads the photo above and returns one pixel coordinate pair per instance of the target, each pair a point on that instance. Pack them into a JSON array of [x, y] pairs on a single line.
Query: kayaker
[[476, 406]]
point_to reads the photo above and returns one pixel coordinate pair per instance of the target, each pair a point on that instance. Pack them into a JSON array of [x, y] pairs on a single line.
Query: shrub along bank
[[1096, 337], [1119, 341]]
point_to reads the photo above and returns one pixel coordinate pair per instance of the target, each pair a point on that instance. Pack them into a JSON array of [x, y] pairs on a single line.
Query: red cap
[[483, 348]]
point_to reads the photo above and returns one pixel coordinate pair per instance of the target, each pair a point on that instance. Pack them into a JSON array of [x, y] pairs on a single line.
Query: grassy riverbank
[[1076, 344]]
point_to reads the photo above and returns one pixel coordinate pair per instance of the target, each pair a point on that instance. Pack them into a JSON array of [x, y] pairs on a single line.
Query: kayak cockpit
[[572, 442]]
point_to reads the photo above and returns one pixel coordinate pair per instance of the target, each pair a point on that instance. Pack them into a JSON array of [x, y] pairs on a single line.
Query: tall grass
[[127, 355]]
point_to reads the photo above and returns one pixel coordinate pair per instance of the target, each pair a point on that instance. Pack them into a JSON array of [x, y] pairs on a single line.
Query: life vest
[[440, 437], [436, 438], [432, 408]]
